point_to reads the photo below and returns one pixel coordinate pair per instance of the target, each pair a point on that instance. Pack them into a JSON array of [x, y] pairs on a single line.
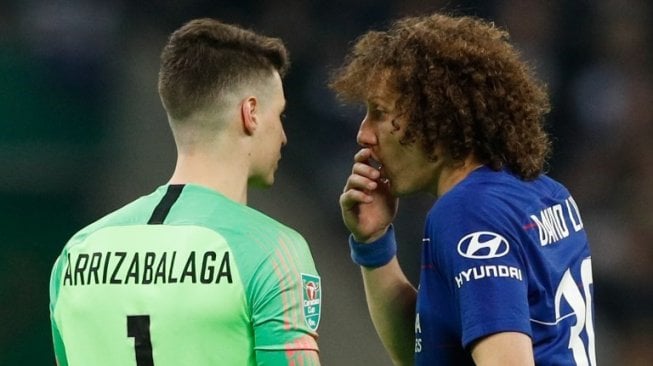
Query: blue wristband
[[375, 254]]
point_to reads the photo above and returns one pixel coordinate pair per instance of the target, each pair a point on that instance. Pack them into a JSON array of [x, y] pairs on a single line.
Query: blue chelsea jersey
[[505, 255]]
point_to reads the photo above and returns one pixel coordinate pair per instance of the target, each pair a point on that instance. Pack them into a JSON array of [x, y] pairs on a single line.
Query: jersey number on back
[[581, 306], [138, 327]]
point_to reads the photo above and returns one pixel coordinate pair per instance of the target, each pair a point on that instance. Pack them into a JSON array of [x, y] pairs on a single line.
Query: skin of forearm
[[391, 301]]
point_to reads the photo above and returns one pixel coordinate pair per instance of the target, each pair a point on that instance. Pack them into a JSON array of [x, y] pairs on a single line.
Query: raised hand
[[367, 205]]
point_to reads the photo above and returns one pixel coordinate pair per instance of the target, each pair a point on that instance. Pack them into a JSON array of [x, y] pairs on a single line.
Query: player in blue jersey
[[506, 273]]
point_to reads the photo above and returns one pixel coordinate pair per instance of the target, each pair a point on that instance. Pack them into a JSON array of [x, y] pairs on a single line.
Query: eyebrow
[[379, 101]]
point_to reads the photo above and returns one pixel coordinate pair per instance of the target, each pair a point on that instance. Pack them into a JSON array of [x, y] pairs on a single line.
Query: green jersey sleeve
[[285, 294]]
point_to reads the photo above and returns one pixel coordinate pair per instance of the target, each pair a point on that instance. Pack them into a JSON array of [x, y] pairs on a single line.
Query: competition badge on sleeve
[[312, 298]]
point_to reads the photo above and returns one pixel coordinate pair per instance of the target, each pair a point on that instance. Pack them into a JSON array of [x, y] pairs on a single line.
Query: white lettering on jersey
[[477, 273], [551, 222], [418, 335]]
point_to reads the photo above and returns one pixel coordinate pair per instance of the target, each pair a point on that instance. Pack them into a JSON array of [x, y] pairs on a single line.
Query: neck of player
[[223, 170], [451, 175]]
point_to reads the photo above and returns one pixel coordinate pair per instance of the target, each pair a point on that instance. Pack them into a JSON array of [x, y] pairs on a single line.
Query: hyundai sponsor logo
[[491, 271], [483, 245]]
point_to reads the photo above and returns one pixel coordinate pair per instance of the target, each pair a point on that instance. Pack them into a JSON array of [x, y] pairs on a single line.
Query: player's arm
[[281, 337], [284, 322], [391, 302], [504, 349], [368, 209], [298, 357]]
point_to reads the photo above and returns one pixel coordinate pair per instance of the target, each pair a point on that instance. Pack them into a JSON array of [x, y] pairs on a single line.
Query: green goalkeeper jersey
[[184, 276]]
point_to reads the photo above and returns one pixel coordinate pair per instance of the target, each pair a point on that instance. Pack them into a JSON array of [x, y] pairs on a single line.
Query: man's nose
[[365, 136]]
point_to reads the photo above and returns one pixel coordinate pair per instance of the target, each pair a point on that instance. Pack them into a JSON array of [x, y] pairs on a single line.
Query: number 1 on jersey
[[138, 327]]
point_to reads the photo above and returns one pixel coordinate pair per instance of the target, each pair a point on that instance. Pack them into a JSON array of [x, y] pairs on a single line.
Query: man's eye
[[377, 113]]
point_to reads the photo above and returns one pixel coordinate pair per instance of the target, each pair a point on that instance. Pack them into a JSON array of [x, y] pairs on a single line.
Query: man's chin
[[402, 191]]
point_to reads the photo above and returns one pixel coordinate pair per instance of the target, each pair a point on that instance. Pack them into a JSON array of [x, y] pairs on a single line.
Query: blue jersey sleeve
[[483, 263]]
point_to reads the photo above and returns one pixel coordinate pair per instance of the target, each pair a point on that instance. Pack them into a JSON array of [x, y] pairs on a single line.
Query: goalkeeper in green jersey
[[190, 275]]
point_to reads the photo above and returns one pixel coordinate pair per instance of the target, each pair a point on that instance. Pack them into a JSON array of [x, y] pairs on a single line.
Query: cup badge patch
[[312, 298]]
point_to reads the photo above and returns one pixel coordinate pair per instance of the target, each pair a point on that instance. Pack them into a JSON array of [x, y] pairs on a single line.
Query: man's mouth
[[374, 163]]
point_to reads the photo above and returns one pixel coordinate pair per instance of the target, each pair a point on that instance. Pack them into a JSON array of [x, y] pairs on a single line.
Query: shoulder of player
[[275, 230], [464, 197], [489, 187], [252, 225], [480, 200], [263, 222], [239, 213], [553, 186]]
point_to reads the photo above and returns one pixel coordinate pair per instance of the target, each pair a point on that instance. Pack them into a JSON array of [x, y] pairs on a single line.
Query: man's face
[[270, 134], [406, 166]]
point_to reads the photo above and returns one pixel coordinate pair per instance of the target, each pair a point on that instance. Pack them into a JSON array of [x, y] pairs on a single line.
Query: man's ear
[[249, 114]]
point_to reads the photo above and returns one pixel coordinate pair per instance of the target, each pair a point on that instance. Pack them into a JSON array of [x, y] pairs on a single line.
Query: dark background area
[[82, 132]]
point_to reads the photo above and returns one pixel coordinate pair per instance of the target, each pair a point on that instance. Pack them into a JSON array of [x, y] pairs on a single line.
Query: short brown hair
[[462, 86], [206, 57]]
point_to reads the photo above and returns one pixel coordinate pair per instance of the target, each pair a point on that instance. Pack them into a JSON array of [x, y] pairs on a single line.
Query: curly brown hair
[[206, 57], [462, 86]]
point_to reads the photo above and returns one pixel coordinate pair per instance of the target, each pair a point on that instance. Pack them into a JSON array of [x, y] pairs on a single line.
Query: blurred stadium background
[[82, 132]]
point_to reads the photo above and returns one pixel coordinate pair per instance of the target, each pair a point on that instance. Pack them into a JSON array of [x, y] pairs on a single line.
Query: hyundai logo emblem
[[483, 245]]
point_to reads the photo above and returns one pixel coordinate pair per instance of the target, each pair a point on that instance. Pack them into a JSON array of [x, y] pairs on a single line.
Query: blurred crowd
[[82, 132]]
